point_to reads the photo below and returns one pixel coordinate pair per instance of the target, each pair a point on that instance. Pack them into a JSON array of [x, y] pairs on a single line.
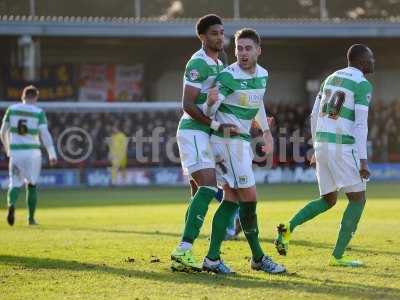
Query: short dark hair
[[30, 92], [248, 33], [356, 52], [206, 22]]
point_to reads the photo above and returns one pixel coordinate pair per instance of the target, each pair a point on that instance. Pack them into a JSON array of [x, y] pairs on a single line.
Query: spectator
[[291, 119]]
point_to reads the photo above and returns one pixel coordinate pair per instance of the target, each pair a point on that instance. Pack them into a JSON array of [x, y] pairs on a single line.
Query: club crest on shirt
[[263, 82], [194, 74]]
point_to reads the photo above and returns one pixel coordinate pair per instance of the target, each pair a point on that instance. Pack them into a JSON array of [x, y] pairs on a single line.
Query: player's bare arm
[[190, 94], [188, 104], [364, 170]]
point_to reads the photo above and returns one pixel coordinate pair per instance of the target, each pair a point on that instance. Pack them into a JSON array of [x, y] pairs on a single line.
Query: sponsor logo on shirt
[[255, 99], [243, 100]]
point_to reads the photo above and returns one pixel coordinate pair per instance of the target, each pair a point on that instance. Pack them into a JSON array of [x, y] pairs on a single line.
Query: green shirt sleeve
[[42, 118], [363, 93], [196, 71]]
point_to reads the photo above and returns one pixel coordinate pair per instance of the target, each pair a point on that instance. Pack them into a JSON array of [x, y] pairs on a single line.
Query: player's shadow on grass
[[315, 286], [319, 245], [303, 243], [122, 231]]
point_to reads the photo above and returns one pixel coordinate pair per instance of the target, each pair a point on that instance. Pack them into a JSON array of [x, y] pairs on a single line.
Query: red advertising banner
[[111, 83]]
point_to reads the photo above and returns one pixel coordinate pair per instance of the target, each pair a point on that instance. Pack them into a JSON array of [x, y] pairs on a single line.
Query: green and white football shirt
[[24, 121], [201, 71], [341, 94], [241, 96]]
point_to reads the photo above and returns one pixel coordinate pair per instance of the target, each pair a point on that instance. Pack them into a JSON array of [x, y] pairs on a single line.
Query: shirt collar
[[356, 70]]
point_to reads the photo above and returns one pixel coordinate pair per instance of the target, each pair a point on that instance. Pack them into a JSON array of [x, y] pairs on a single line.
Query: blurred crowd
[[148, 130], [158, 128], [151, 134], [384, 120], [291, 132]]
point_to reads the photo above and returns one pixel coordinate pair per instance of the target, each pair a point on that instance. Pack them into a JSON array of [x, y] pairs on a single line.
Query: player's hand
[[229, 130], [6, 151], [268, 147], [313, 162], [212, 96], [364, 170], [53, 161], [271, 122]]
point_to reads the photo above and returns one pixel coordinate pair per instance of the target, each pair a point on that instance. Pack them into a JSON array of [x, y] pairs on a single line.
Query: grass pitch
[[115, 244]]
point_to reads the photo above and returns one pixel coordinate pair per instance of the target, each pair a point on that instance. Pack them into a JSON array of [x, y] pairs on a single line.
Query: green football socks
[[248, 220], [31, 200], [308, 212], [197, 212], [187, 209], [222, 218], [12, 196], [232, 221], [348, 227]]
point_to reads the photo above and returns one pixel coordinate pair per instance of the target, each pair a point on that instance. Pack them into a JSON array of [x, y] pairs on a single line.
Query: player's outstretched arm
[[48, 143]]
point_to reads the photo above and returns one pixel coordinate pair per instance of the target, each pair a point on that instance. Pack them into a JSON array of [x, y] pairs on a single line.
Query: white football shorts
[[338, 170], [24, 167], [194, 150], [233, 158]]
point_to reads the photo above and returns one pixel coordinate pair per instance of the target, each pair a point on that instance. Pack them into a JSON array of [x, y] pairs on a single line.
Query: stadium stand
[[355, 9], [290, 121]]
